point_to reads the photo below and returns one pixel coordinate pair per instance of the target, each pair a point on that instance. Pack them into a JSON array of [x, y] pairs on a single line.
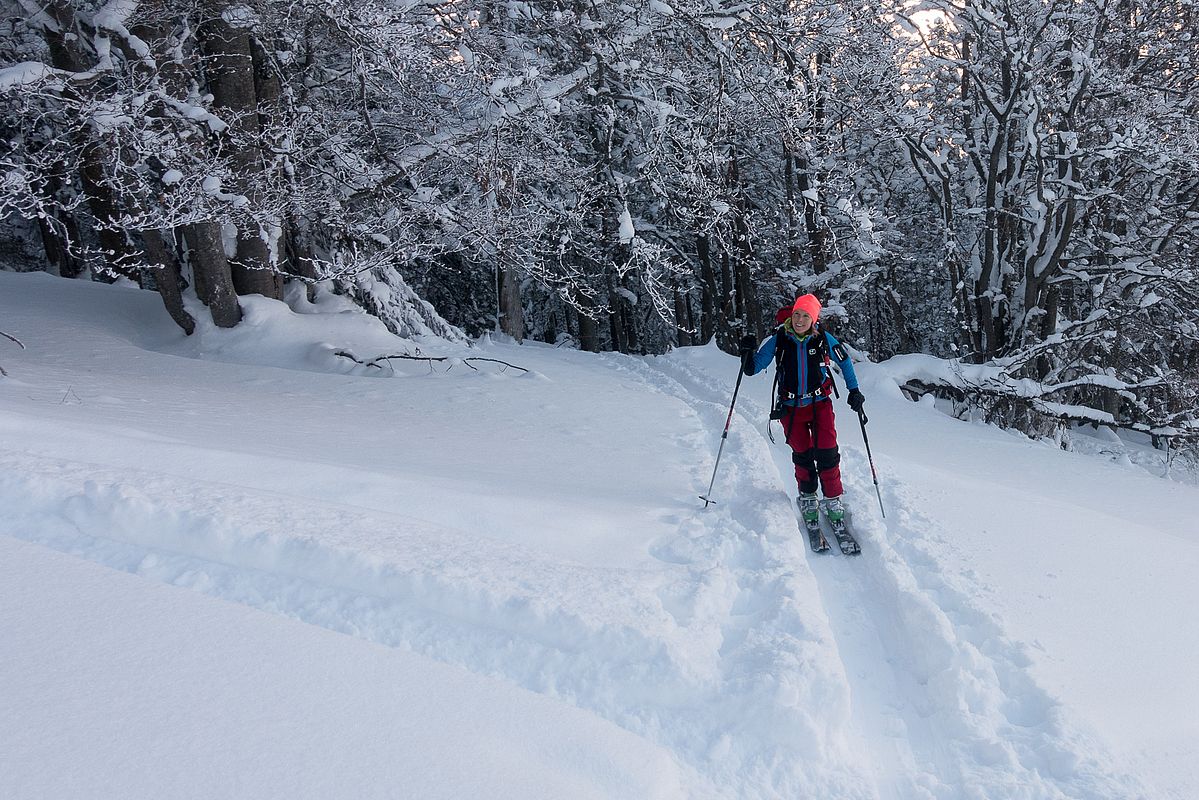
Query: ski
[[816, 539], [845, 540], [815, 536]]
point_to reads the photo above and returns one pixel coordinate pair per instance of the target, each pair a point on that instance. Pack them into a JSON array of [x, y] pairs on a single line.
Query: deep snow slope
[[128, 688], [526, 548]]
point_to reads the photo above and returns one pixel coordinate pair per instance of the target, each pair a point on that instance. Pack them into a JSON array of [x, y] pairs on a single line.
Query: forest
[[1009, 185]]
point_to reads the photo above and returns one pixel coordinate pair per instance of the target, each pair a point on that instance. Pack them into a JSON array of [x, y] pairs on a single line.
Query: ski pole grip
[[862, 417]]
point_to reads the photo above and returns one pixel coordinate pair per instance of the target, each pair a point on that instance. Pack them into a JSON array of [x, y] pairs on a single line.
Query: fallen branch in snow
[[374, 362], [999, 403], [19, 343]]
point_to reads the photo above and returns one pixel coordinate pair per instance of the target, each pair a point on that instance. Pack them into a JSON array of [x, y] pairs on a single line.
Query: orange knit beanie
[[809, 304]]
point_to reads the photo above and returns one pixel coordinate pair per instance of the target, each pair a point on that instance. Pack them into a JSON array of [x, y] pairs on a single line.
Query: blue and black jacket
[[802, 373]]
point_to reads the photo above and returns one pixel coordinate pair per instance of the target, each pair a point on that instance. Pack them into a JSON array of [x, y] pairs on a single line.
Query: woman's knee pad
[[827, 458]]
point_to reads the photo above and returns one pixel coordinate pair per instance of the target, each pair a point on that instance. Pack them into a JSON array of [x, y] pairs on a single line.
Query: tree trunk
[[748, 310], [615, 327], [118, 254], [789, 199], [818, 248], [628, 319], [228, 44], [210, 269], [59, 229], [166, 278], [67, 54], [300, 258], [1048, 326], [681, 322], [725, 339], [58, 245], [511, 313], [253, 272], [817, 229], [709, 291], [269, 90], [588, 333], [62, 40]]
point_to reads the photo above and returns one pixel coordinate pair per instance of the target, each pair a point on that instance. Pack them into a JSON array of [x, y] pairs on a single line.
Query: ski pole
[[724, 436], [862, 420]]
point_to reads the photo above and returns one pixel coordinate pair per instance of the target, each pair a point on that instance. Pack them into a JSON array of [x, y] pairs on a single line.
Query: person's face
[[801, 321]]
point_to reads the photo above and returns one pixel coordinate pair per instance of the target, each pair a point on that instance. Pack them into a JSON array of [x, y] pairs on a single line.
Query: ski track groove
[[983, 724], [766, 575]]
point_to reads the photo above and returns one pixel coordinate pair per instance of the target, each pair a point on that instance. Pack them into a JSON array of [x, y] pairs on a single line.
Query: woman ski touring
[[802, 353]]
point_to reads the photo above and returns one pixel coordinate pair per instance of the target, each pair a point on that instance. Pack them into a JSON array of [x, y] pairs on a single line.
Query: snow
[[141, 675], [25, 73], [237, 564], [229, 231], [627, 231], [239, 16], [112, 17], [501, 85], [916, 366], [114, 14], [194, 113]]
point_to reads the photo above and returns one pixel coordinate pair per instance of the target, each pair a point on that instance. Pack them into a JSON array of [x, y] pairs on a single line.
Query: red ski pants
[[812, 435]]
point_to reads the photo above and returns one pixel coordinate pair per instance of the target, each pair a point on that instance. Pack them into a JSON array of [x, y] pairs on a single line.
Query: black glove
[[749, 346], [855, 400]]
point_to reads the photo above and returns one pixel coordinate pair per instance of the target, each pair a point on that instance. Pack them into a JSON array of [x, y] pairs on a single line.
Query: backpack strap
[[829, 364], [778, 360]]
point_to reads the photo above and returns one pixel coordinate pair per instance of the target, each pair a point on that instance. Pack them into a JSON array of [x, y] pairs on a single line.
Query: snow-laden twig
[[374, 362], [10, 337]]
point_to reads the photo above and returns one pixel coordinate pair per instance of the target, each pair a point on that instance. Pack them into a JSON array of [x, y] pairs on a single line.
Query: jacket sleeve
[[841, 356], [764, 355]]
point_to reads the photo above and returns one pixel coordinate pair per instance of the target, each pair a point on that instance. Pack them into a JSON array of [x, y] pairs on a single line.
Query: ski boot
[[834, 511], [809, 507]]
